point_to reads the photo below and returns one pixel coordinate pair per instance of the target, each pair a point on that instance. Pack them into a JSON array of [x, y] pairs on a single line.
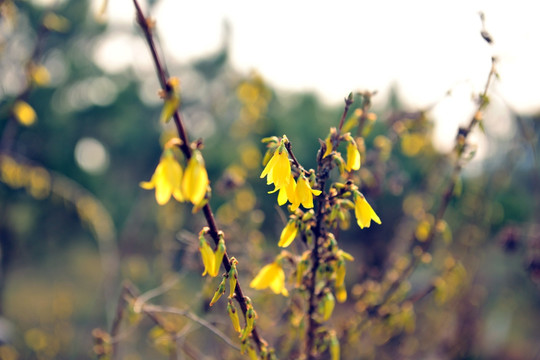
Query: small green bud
[[220, 291]]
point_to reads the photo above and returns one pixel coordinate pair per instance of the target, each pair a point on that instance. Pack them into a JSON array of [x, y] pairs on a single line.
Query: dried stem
[[187, 151], [348, 102], [462, 137]]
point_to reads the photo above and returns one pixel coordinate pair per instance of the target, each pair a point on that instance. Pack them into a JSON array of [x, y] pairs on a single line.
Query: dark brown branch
[[185, 147]]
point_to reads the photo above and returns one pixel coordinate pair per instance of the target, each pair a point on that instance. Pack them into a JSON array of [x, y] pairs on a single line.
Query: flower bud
[[233, 315]]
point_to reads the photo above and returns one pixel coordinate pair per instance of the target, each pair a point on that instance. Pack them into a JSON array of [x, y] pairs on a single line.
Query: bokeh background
[[74, 222]]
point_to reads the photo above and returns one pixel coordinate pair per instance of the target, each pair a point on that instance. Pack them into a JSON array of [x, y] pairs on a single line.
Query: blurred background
[[74, 222]]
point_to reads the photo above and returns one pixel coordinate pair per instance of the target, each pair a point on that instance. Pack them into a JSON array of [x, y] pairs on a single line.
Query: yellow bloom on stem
[[288, 234], [272, 276], [328, 142], [287, 192], [353, 157], [326, 306], [278, 169], [304, 194], [166, 179], [208, 258], [195, 183], [364, 212]]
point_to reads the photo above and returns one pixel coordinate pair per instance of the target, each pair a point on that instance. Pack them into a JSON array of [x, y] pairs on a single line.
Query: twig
[[463, 134], [142, 299], [348, 103], [149, 308], [187, 151]]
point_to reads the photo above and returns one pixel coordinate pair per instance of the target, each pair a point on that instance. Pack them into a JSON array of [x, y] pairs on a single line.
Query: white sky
[[425, 47]]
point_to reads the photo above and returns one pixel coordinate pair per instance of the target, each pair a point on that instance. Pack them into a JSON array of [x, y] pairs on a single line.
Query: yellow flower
[[195, 183], [278, 169], [172, 100], [166, 179], [24, 113], [208, 258], [326, 306], [329, 149], [272, 276], [341, 294], [233, 314], [288, 234], [287, 192], [353, 157], [304, 194], [364, 212]]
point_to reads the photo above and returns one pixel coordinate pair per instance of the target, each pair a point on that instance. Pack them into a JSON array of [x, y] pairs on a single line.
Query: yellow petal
[[208, 257], [24, 113], [148, 185], [364, 212], [264, 277], [288, 234], [271, 276], [304, 194], [269, 166], [353, 157], [195, 183], [169, 107], [328, 143]]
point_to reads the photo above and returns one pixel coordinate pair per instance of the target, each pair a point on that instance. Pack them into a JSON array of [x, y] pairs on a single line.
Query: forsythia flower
[[172, 100], [329, 149], [278, 169], [166, 179], [272, 276], [208, 258], [195, 183], [353, 157], [364, 212], [304, 194], [326, 306], [287, 192], [288, 234]]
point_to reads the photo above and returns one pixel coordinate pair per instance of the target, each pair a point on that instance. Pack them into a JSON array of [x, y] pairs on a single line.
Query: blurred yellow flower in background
[[272, 276], [288, 234], [364, 212]]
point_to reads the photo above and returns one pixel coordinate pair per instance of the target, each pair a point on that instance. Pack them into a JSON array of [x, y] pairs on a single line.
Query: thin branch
[[163, 288], [149, 308], [348, 103], [187, 151], [463, 134]]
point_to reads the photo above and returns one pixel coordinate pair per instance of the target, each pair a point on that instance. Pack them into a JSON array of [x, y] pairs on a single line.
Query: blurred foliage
[[74, 221]]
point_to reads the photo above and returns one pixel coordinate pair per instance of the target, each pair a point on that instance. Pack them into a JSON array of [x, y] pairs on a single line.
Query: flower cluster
[[170, 180], [325, 276], [278, 172], [353, 161]]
